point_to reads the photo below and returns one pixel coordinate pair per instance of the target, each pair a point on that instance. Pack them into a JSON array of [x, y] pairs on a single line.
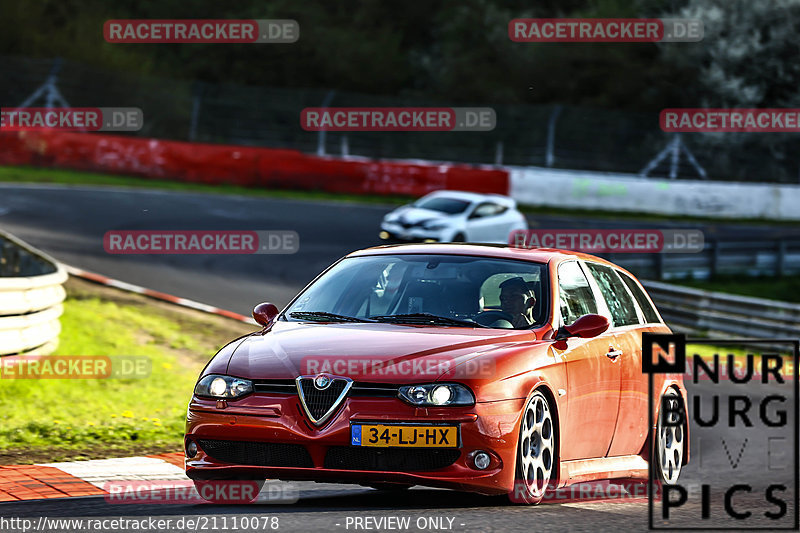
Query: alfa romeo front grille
[[321, 395]]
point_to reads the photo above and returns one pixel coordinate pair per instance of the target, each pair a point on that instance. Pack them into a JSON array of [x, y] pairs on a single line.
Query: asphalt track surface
[[69, 223], [328, 507]]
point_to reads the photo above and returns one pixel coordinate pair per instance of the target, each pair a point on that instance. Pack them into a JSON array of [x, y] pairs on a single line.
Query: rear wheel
[[536, 452], [669, 441]]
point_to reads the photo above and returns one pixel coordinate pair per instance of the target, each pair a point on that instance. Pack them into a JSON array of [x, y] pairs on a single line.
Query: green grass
[[70, 177], [786, 288], [118, 413]]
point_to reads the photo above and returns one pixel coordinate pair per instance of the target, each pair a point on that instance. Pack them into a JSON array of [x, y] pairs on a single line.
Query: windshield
[[444, 290], [451, 206]]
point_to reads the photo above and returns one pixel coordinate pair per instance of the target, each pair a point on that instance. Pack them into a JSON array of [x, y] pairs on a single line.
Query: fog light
[[191, 449], [383, 235], [482, 460]]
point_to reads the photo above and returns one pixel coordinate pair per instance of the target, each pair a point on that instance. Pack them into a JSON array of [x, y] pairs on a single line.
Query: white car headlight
[[435, 226], [223, 387], [436, 394]]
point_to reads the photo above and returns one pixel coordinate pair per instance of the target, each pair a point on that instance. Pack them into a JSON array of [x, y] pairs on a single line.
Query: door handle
[[613, 353]]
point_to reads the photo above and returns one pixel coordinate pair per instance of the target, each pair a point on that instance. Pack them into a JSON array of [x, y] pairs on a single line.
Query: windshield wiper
[[326, 317], [426, 318]]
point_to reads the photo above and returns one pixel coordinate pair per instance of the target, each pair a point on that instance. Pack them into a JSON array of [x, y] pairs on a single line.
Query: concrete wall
[[628, 192]]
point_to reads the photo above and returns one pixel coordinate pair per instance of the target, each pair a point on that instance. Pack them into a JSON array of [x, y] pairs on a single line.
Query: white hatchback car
[[454, 216]]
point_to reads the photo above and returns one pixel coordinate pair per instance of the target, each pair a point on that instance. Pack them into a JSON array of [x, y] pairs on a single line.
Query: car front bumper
[[395, 232], [262, 421]]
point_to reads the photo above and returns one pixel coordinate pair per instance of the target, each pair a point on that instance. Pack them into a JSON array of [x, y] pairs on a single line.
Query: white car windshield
[[451, 206], [441, 290]]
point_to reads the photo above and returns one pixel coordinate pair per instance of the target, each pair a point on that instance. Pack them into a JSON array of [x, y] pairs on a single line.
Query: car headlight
[[435, 226], [223, 387], [436, 394]]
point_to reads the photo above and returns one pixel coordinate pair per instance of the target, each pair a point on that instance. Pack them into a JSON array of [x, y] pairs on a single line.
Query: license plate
[[384, 436]]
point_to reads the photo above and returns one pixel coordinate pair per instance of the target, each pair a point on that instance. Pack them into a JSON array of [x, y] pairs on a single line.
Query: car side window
[[487, 209], [647, 308], [619, 302], [575, 295]]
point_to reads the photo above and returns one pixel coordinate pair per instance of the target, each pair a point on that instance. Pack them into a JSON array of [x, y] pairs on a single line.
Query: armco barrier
[[722, 314], [238, 165], [30, 303]]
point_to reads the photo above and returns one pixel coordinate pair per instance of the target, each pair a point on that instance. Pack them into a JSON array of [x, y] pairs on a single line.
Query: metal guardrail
[[722, 314], [760, 257], [31, 296]]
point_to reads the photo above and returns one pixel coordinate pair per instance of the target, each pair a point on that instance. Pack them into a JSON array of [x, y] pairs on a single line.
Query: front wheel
[[536, 452]]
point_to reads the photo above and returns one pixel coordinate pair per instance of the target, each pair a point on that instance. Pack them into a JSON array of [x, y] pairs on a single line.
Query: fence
[[556, 136], [31, 296]]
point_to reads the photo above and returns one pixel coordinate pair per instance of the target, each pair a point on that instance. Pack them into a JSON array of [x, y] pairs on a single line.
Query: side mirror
[[265, 313], [585, 327]]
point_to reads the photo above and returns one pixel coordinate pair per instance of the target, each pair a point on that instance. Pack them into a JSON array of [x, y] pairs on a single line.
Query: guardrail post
[[659, 258], [780, 260], [715, 249]]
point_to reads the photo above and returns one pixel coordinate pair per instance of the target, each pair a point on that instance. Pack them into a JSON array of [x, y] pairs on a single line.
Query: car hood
[[385, 353], [415, 215]]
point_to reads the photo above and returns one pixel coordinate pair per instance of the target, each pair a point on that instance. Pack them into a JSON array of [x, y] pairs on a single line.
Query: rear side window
[[650, 314], [575, 295], [620, 303]]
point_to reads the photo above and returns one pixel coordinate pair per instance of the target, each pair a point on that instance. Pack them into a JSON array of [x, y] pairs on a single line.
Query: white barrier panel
[[629, 192], [30, 307]]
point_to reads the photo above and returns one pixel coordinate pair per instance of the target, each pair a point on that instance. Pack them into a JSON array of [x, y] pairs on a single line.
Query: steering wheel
[[487, 318]]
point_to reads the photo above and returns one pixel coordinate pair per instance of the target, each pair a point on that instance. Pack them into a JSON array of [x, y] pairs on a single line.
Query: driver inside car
[[517, 300]]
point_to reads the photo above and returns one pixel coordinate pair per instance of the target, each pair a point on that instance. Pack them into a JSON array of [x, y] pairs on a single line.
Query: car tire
[[209, 490], [669, 443], [459, 237], [537, 457]]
